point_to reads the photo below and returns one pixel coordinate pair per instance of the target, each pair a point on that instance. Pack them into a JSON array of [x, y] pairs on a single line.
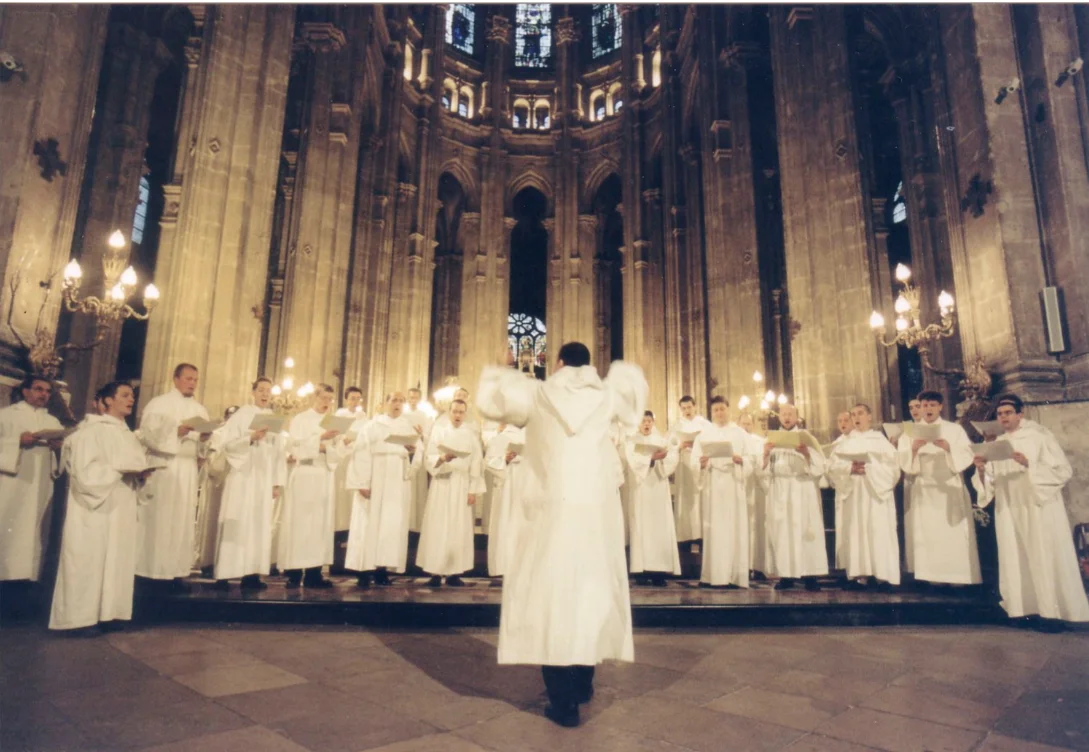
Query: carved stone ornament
[[49, 160], [566, 32], [795, 327], [841, 150], [975, 198], [499, 31], [214, 146]]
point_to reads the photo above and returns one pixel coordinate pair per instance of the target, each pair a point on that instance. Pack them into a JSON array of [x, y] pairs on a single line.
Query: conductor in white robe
[[455, 463], [1038, 572], [688, 512], [723, 482], [943, 530], [795, 519], [305, 539], [166, 526], [256, 475], [650, 459], [566, 602], [386, 457], [106, 466], [864, 471], [507, 518], [28, 467]]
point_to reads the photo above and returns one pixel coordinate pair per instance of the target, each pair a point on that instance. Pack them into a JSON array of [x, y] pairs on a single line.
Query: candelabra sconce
[[975, 382], [286, 399], [768, 407], [119, 283], [444, 396]]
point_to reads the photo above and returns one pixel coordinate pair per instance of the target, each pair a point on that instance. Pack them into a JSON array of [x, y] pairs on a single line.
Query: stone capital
[[323, 37], [799, 14], [566, 31], [499, 31], [509, 223], [739, 54], [406, 191]]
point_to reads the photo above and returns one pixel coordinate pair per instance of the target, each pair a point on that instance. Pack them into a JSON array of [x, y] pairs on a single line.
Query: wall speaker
[[1051, 298]]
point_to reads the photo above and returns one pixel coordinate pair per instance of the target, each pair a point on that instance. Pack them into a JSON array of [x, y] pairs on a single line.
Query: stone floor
[[985, 689]]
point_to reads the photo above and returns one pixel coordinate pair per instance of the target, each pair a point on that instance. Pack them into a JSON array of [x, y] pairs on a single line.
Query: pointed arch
[[456, 167], [530, 177], [598, 175]]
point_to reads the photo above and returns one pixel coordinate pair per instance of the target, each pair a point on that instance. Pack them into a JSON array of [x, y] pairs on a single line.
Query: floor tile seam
[[925, 720], [751, 719]]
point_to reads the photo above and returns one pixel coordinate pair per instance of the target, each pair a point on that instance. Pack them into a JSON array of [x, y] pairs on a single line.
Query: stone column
[[213, 273], [355, 341], [555, 294], [47, 107], [829, 260], [396, 355], [472, 342], [131, 66], [694, 312], [582, 289]]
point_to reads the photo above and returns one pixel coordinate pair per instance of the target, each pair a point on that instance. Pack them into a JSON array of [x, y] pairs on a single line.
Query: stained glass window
[[607, 29], [542, 118], [521, 117], [899, 208], [461, 26], [526, 333], [140, 218], [533, 35], [599, 108]]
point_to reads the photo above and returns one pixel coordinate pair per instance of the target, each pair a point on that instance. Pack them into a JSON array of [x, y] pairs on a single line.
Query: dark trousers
[[568, 685], [309, 575]]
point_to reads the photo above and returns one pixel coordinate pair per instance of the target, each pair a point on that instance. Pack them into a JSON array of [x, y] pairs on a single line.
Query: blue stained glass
[[533, 35], [140, 218], [461, 26], [607, 31]]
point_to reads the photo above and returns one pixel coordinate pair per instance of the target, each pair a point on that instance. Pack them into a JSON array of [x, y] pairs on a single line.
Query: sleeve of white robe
[[360, 464], [839, 471], [960, 455], [304, 445], [505, 395], [908, 463], [433, 455], [816, 464], [666, 467], [694, 463], [159, 431], [10, 449], [1051, 470], [90, 474], [414, 463], [882, 474], [637, 462], [233, 440], [984, 485], [476, 473], [628, 387], [495, 459]]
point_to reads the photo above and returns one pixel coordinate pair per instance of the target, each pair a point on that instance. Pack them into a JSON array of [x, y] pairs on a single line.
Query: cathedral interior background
[[392, 195]]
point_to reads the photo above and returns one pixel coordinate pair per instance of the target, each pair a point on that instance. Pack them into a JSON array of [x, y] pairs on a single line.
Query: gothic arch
[[530, 178], [456, 167], [598, 175]]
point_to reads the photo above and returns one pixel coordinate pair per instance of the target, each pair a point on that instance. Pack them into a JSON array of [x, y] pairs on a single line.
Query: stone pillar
[[283, 224], [998, 265], [355, 341], [472, 341], [694, 312], [131, 66], [555, 293], [213, 272], [396, 356], [47, 107], [581, 284], [315, 284], [829, 260]]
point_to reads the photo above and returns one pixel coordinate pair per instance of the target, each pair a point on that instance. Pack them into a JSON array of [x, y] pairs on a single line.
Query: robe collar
[[574, 395], [108, 420]]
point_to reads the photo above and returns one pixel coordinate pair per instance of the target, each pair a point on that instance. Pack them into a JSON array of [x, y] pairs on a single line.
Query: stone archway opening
[[529, 275], [610, 265]]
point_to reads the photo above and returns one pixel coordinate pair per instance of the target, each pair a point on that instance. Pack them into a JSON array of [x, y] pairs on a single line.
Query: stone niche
[[1068, 421]]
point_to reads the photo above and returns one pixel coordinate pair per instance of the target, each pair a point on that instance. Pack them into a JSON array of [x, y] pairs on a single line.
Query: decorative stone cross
[[49, 160]]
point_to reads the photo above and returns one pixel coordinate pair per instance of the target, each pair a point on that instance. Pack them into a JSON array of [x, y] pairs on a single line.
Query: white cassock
[[378, 536], [566, 598], [343, 513], [507, 518], [757, 495], [419, 480], [943, 535], [688, 501], [98, 545], [795, 520], [26, 491], [483, 507], [618, 435], [653, 536], [446, 536], [1037, 565], [212, 475], [244, 525], [724, 488], [826, 482], [866, 542], [305, 537], [166, 526]]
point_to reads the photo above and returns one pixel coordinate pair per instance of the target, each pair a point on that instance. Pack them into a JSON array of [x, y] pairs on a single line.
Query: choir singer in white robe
[[422, 422], [688, 509], [167, 525], [28, 467], [566, 603], [507, 517], [106, 465], [256, 475], [352, 408], [865, 496], [651, 458], [381, 474], [723, 483], [306, 528], [457, 481], [757, 496], [1037, 566], [844, 426], [794, 516], [943, 529]]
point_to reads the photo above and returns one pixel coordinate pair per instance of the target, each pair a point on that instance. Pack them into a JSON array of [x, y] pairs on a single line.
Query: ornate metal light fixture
[[286, 399], [768, 403]]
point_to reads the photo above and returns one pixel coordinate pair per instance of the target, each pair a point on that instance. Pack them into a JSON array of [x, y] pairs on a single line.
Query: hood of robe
[[574, 395]]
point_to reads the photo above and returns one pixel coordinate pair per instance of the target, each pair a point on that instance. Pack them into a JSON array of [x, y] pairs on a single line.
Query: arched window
[[520, 113], [597, 105], [140, 218], [541, 119], [656, 68], [607, 30], [465, 102], [899, 208], [461, 27], [617, 105], [408, 62], [449, 95], [527, 333], [533, 35]]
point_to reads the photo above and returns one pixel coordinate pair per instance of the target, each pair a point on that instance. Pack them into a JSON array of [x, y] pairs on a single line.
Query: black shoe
[[116, 625], [274, 572], [435, 581], [785, 583], [812, 584], [705, 584], [853, 585], [731, 586], [880, 586], [292, 584], [363, 581], [568, 717], [757, 575], [221, 585], [253, 582], [658, 581], [455, 581], [318, 584], [1050, 626], [381, 577]]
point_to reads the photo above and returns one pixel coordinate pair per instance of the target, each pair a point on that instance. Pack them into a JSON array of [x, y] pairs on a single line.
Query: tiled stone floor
[[979, 689]]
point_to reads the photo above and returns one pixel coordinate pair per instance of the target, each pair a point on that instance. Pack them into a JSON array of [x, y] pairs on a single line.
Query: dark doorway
[[529, 271], [446, 297], [610, 283]]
